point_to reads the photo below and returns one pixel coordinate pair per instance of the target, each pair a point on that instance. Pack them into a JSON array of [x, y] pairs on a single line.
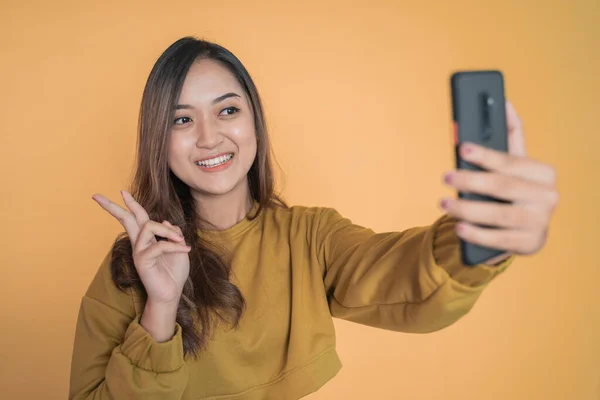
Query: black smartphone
[[479, 114]]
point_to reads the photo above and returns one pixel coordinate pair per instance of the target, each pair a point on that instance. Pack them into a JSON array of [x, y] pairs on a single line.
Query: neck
[[220, 212]]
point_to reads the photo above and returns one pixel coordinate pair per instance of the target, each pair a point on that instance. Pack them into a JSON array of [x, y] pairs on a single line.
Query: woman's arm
[[410, 281], [114, 357]]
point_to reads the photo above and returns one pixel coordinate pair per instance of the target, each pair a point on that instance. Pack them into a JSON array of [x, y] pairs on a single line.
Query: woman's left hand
[[520, 226]]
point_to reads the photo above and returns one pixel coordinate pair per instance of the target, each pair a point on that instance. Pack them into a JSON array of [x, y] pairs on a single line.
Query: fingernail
[[445, 203], [460, 228], [448, 177], [467, 149]]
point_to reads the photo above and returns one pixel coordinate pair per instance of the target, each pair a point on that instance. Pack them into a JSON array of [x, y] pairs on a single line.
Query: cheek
[[245, 138], [177, 152]]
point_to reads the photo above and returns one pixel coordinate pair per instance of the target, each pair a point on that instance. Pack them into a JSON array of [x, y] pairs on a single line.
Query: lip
[[214, 156]]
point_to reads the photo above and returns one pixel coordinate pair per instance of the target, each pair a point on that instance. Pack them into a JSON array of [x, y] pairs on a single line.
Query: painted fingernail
[[448, 177], [467, 149], [445, 203]]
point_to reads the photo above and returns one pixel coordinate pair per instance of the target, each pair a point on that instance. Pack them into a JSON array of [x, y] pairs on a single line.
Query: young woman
[[219, 290]]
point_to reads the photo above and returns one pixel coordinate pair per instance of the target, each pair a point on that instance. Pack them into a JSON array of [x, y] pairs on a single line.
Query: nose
[[208, 135]]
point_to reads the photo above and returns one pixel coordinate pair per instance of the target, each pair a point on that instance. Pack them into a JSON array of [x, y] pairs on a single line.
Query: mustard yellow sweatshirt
[[297, 268]]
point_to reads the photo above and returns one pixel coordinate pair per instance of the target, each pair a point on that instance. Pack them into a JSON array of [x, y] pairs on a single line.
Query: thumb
[[516, 138]]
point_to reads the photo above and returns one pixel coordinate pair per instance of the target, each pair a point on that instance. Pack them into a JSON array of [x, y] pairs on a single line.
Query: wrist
[[158, 319]]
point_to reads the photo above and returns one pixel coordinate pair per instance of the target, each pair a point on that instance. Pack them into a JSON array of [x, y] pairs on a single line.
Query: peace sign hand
[[163, 266]]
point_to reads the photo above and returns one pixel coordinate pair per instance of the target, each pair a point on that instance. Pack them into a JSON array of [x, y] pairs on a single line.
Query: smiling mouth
[[215, 162]]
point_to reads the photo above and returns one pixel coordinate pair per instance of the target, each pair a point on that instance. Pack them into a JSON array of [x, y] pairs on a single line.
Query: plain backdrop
[[357, 100]]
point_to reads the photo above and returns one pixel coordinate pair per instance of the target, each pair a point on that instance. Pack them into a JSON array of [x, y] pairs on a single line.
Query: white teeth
[[213, 162]]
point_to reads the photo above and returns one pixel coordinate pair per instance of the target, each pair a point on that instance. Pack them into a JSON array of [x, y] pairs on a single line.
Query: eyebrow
[[215, 101]]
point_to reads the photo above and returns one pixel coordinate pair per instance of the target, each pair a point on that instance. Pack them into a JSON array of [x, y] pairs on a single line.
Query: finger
[[126, 218], [516, 137], [498, 186], [178, 229], [514, 241], [138, 211], [508, 164], [152, 229], [498, 259], [163, 247], [494, 214]]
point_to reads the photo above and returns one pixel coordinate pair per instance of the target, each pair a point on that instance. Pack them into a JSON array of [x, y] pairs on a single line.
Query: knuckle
[[550, 172], [513, 217], [534, 217], [148, 227], [507, 162], [495, 185], [501, 216], [172, 227], [529, 217], [476, 181], [137, 253], [456, 208], [460, 177], [505, 241], [538, 218]]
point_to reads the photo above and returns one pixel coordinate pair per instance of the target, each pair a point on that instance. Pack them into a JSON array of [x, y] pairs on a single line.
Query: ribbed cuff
[[148, 354], [446, 252]]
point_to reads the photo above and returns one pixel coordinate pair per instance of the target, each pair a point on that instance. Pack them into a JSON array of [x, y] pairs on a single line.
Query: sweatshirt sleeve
[[113, 355], [409, 281]]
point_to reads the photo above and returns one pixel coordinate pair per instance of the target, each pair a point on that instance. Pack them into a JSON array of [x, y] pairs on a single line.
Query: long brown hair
[[208, 291]]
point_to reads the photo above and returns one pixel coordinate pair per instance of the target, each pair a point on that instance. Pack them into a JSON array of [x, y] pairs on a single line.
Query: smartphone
[[479, 116]]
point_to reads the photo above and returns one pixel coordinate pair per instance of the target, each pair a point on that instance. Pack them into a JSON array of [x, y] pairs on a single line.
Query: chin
[[216, 189]]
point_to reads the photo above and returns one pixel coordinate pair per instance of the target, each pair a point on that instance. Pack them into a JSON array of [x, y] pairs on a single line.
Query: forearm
[[410, 281], [110, 365]]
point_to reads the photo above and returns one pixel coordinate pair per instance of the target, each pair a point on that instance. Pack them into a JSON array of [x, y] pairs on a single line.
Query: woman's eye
[[182, 120], [229, 111]]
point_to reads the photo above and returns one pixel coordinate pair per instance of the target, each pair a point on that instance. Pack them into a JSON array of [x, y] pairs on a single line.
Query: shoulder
[[312, 219]]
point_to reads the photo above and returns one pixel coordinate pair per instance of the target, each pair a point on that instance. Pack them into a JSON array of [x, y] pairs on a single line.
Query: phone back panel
[[479, 113]]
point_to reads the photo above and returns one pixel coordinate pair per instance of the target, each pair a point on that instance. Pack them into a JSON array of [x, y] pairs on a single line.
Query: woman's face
[[213, 139]]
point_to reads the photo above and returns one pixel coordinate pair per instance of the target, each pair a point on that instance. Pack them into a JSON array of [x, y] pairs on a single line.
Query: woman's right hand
[[163, 266]]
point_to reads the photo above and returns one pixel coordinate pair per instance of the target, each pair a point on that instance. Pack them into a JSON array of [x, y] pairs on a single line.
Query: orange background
[[357, 100]]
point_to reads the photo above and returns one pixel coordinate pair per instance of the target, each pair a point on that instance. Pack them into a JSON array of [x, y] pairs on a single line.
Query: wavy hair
[[208, 291]]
